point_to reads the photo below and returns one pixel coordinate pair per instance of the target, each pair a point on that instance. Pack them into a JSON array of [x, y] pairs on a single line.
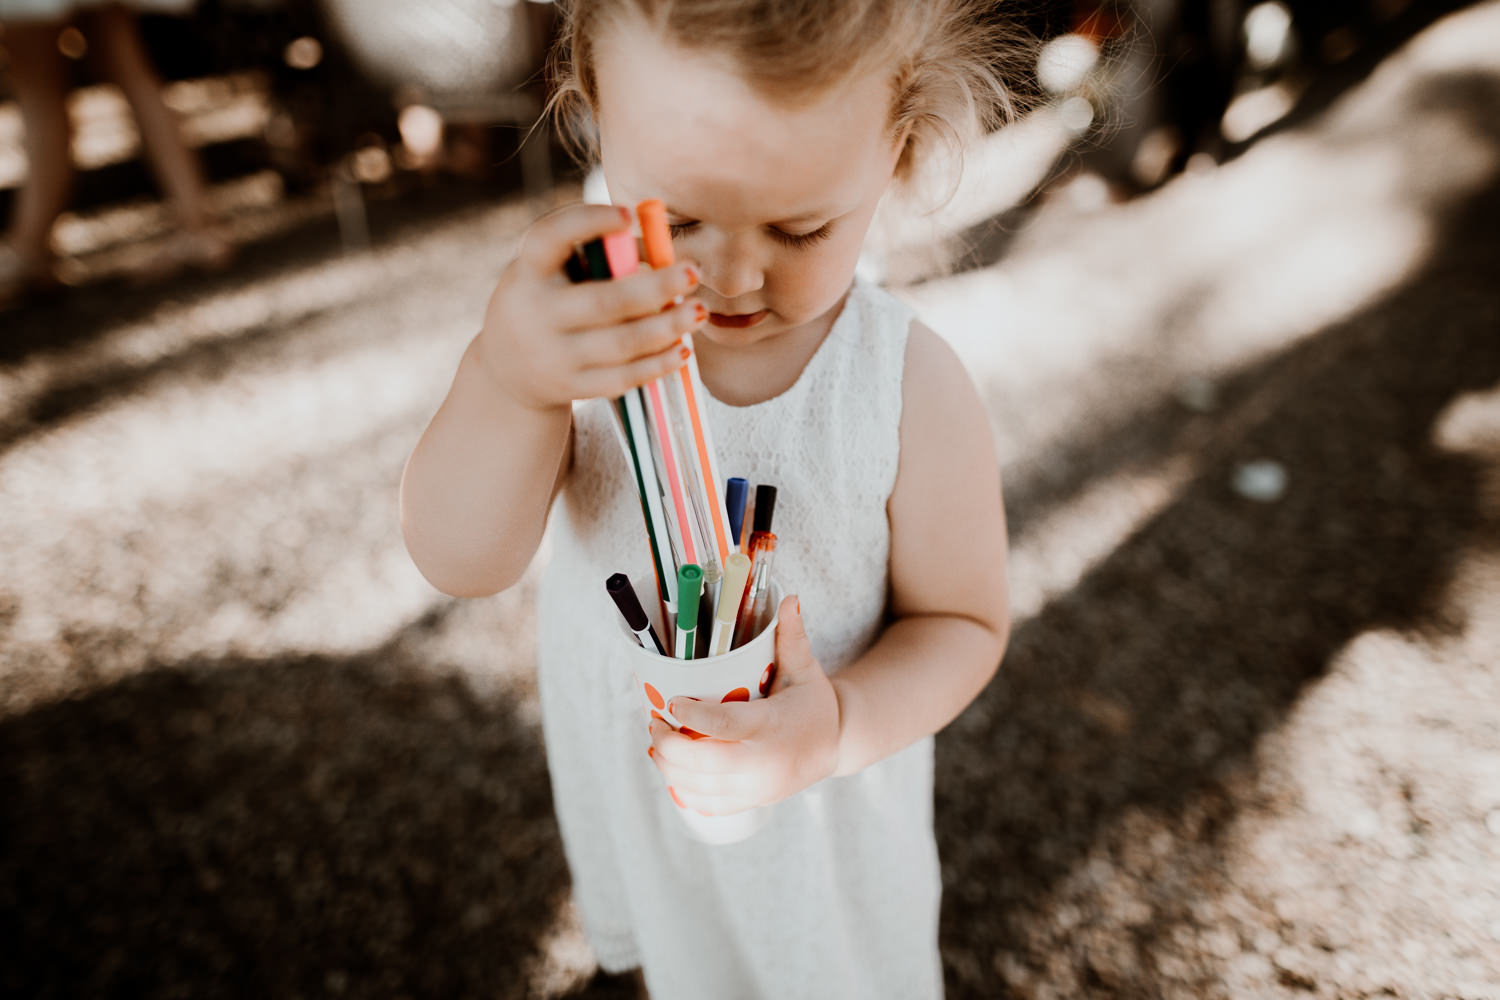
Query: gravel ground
[[1244, 742]]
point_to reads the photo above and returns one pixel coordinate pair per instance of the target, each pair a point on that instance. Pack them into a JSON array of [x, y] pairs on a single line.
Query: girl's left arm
[[949, 599]]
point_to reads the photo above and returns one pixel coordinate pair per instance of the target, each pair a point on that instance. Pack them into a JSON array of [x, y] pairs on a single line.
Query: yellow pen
[[736, 575]]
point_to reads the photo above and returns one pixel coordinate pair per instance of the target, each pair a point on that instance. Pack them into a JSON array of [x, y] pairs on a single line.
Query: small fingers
[[727, 720], [700, 756], [710, 794], [640, 338], [645, 293], [617, 380], [708, 805], [549, 242], [685, 779]]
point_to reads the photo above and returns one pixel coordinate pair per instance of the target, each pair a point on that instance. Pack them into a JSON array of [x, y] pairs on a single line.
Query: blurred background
[[1229, 288]]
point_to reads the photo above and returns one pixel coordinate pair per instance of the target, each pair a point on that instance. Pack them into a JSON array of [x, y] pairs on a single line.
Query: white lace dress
[[838, 895]]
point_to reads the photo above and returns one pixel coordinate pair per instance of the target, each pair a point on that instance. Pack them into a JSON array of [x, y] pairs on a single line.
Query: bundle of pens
[[703, 571], [712, 619]]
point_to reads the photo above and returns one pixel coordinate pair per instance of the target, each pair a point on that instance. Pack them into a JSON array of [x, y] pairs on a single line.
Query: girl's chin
[[739, 337]]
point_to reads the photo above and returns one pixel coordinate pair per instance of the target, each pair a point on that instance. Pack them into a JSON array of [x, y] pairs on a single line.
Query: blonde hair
[[949, 59]]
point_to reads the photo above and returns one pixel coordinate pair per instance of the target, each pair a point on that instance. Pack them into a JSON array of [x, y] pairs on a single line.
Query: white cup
[[742, 674]]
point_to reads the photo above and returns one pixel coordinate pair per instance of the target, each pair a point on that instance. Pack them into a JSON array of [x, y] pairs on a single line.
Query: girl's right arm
[[479, 484]]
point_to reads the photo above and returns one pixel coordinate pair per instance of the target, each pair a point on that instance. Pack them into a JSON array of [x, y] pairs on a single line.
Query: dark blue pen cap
[[623, 593], [765, 506], [734, 504]]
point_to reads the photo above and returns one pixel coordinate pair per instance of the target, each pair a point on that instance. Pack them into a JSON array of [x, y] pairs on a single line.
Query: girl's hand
[[547, 341], [758, 752]]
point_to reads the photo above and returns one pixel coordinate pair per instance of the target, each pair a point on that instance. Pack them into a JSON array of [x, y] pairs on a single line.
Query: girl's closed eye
[[794, 240], [800, 240]]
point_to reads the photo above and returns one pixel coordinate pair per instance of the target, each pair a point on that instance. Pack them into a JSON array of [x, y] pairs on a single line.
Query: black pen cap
[[765, 506], [624, 596]]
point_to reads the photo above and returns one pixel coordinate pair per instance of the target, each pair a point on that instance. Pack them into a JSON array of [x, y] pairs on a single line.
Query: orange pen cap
[[655, 233]]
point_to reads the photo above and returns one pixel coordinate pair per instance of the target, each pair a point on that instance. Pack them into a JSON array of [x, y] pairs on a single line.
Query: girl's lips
[[737, 322]]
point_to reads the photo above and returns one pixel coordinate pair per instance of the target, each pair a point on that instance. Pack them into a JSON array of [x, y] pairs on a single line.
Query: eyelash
[[797, 242]]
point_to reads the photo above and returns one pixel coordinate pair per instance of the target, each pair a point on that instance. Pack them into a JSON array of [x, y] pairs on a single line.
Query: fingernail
[[624, 214], [692, 274], [799, 606], [700, 312], [686, 353], [670, 708]]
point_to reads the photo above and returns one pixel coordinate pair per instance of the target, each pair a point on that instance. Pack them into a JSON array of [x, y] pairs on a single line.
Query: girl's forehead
[[682, 124]]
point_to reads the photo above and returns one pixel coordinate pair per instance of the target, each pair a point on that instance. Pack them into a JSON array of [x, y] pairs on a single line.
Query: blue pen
[[735, 492]]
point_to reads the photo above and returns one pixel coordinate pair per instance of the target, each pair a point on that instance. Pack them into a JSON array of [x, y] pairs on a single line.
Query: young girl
[[771, 130]]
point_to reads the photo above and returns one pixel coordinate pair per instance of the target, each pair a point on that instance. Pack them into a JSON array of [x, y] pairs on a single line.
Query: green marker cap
[[689, 588]]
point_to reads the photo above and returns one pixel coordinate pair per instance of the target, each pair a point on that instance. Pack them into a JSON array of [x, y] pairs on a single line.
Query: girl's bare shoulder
[[936, 387]]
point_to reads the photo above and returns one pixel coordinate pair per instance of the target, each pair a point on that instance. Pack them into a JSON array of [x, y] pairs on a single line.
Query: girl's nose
[[733, 270]]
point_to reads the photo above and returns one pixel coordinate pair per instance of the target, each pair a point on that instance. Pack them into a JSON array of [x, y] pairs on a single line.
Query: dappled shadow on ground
[[1144, 690], [314, 826], [73, 317]]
